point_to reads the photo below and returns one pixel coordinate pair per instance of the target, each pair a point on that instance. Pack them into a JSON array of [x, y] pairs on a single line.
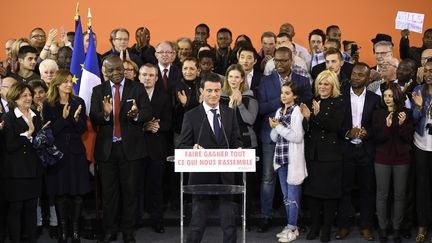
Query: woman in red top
[[393, 129]]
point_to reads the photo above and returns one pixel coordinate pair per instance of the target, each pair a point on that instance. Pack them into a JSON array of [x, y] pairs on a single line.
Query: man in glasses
[[169, 74], [37, 39], [119, 39]]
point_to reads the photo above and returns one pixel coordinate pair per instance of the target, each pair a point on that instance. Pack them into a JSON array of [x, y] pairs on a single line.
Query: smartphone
[[354, 49]]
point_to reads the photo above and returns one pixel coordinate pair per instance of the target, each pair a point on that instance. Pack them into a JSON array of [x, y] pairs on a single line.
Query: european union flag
[[78, 57]]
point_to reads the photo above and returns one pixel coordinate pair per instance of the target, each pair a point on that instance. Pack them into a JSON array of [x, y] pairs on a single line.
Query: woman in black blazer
[[323, 154], [22, 169], [68, 179]]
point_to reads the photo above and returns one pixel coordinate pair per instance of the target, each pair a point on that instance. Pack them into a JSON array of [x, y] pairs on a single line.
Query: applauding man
[[119, 107]]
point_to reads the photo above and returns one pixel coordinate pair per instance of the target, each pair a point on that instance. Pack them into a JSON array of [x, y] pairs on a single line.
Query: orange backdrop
[[168, 20]]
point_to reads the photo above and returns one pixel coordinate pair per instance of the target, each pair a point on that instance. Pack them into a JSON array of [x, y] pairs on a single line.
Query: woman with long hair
[[393, 129], [237, 95], [68, 179], [289, 160]]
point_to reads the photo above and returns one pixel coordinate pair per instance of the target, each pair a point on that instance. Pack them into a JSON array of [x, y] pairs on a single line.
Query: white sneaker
[[289, 236], [283, 232]]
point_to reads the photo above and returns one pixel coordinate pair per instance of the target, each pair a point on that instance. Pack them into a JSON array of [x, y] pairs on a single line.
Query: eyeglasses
[[381, 53], [38, 37], [281, 60], [165, 52], [121, 39]]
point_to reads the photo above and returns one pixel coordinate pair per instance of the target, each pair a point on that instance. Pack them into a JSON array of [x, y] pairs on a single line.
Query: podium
[[214, 160]]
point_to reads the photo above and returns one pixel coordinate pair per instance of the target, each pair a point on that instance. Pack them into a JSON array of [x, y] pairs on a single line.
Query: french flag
[[91, 73]]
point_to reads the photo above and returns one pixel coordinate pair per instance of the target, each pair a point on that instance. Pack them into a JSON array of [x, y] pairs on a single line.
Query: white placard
[[410, 21], [215, 160]]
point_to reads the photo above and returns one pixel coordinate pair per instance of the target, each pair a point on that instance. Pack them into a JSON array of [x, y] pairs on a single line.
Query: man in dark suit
[[210, 126], [358, 152], [119, 108], [269, 102], [247, 59], [157, 142], [6, 83], [334, 61], [119, 39], [169, 75]]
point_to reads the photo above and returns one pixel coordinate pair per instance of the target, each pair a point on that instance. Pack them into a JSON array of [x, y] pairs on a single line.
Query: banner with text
[[215, 160]]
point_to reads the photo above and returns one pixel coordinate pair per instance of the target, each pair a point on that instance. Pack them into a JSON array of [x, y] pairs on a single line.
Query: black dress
[[70, 175], [323, 151]]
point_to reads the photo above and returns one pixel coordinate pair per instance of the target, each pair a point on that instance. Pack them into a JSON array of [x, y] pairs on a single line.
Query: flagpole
[[89, 19], [76, 14]]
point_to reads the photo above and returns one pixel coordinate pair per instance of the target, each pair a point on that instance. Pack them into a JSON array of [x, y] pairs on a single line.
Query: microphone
[[223, 130], [201, 127]]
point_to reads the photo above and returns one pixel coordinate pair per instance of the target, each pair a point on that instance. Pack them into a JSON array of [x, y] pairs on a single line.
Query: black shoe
[[108, 237], [159, 228], [397, 236], [312, 234], [128, 238], [406, 234], [264, 225], [325, 234], [39, 231], [382, 235], [62, 232], [53, 232]]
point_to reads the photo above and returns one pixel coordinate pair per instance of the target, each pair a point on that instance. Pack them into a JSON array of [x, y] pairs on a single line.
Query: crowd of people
[[339, 135]]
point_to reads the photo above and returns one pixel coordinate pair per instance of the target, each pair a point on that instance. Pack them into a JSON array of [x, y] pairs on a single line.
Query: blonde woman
[[323, 153]]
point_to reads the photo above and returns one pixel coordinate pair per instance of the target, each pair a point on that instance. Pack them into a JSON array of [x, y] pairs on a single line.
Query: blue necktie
[[216, 126]]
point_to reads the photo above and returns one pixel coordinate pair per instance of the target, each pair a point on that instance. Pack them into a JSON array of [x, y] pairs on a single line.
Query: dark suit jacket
[[157, 144], [256, 79], [21, 159], [371, 101], [133, 141], [191, 89], [174, 76], [346, 69], [135, 58], [269, 98], [196, 130]]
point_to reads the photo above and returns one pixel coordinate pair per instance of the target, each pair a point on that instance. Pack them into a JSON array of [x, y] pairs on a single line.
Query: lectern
[[214, 160]]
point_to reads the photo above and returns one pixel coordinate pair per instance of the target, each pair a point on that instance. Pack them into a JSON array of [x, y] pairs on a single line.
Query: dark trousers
[[358, 165], [201, 209], [423, 165], [119, 188], [153, 178], [327, 207], [3, 212], [16, 209]]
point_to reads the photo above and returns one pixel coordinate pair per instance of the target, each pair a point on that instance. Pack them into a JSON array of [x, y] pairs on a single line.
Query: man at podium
[[210, 126]]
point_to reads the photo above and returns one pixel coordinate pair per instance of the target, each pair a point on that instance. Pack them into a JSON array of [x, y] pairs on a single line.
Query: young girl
[[289, 161]]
